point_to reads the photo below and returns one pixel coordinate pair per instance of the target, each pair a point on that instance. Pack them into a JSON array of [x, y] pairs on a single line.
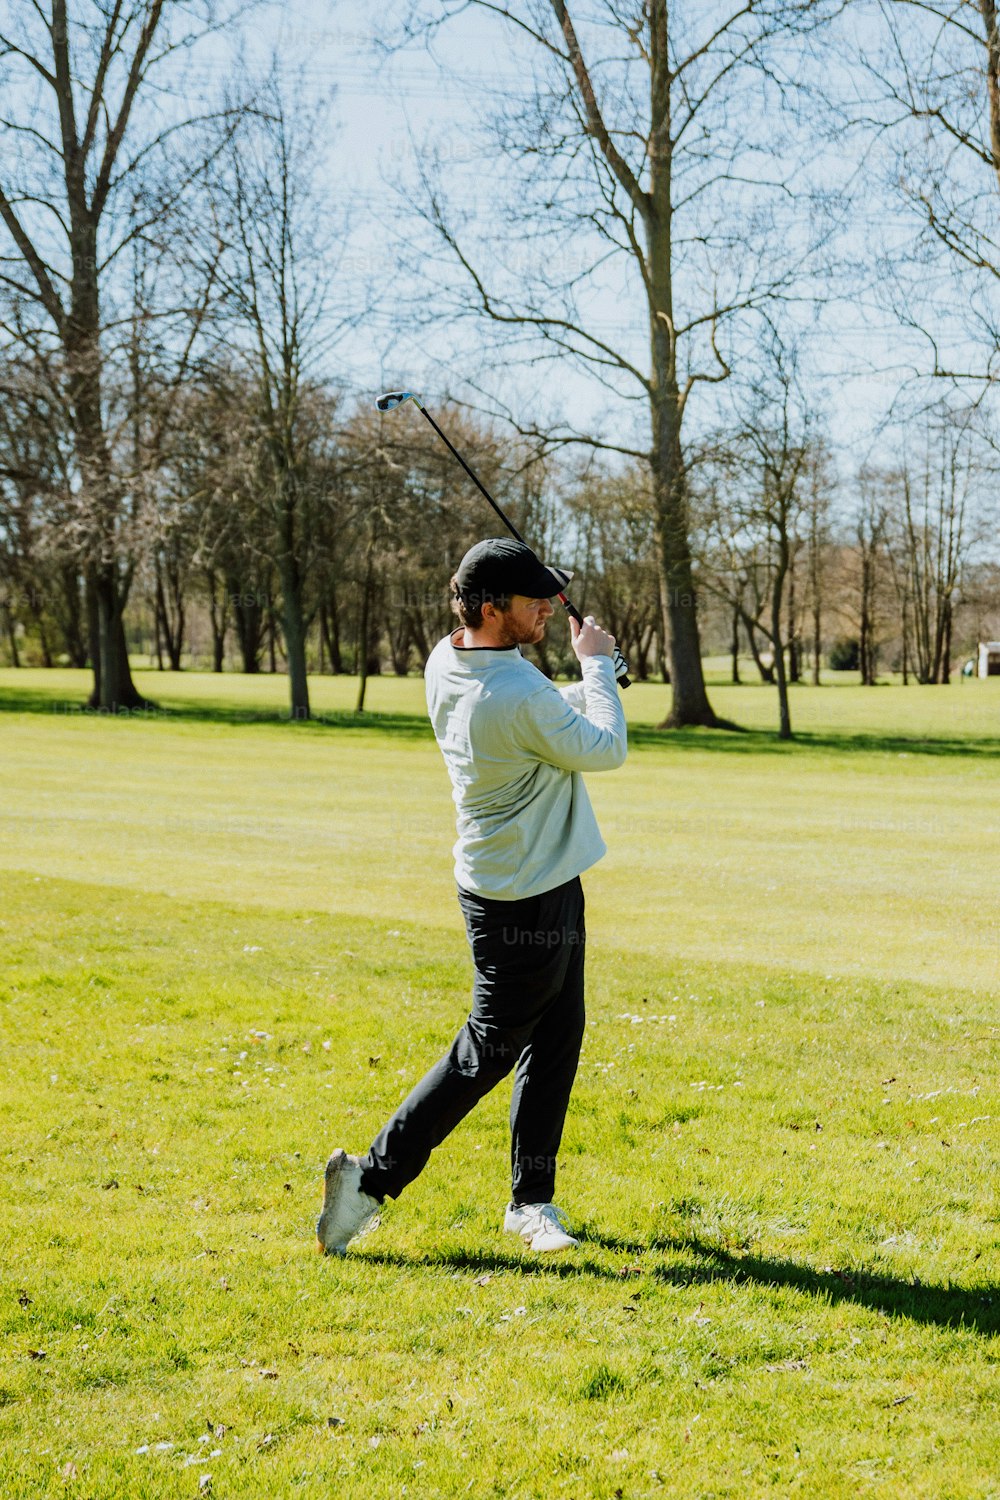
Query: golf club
[[388, 402]]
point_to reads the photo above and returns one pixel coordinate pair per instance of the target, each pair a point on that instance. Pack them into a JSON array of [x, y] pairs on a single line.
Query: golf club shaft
[[475, 479], [570, 609]]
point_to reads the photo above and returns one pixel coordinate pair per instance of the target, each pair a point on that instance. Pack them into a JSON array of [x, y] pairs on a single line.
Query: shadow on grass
[[759, 741], [921, 1302], [398, 725], [15, 699]]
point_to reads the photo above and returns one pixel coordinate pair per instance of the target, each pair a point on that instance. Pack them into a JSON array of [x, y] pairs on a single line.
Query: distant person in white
[[515, 747]]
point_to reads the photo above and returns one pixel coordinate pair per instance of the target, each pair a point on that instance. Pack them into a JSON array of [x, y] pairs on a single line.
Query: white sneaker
[[541, 1226], [347, 1211]]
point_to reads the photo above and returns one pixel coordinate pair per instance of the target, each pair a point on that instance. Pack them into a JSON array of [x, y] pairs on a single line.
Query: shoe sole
[[553, 1250], [331, 1179]]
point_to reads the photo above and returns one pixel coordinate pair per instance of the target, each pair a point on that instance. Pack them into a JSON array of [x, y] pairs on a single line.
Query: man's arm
[[548, 727], [576, 696]]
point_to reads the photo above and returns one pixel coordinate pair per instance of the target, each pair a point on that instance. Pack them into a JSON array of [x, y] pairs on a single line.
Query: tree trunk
[[766, 673], [43, 641], [689, 699], [157, 633], [217, 616], [784, 716], [333, 635], [645, 640], [170, 631], [689, 704], [249, 619], [815, 563], [794, 673], [113, 686], [114, 689], [945, 677], [8, 616], [866, 641], [735, 646], [363, 629], [70, 621], [272, 635], [295, 635]]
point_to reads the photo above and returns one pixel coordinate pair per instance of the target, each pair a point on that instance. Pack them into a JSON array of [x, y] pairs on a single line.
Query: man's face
[[523, 624]]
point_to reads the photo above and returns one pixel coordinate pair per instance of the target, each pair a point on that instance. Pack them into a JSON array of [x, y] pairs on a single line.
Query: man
[[515, 746]]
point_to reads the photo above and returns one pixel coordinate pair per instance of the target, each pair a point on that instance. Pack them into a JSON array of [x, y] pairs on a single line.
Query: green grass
[[229, 945]]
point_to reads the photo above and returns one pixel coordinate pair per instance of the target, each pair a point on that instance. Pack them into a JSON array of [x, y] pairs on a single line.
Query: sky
[[392, 113], [393, 110]]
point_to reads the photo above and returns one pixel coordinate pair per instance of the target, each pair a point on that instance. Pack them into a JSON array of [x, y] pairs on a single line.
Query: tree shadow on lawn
[[921, 1302], [759, 741], [14, 699], [17, 700]]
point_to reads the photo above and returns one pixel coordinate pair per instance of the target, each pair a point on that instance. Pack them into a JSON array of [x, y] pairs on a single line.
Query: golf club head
[[391, 399]]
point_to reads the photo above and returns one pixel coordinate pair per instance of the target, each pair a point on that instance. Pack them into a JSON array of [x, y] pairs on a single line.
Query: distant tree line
[[179, 465]]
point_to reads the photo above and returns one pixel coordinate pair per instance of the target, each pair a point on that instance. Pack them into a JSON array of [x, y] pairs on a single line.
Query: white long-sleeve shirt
[[515, 746]]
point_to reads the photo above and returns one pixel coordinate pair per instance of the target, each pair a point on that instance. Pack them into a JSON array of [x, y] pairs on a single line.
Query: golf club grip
[[574, 614]]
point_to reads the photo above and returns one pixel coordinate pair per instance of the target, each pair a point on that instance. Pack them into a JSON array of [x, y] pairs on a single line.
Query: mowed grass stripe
[[815, 860], [781, 1148], [781, 1244]]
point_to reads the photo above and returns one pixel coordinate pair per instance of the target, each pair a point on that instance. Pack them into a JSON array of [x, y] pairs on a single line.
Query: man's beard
[[515, 633]]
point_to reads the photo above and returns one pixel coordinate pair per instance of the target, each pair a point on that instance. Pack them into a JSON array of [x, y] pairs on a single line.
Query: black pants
[[527, 1015]]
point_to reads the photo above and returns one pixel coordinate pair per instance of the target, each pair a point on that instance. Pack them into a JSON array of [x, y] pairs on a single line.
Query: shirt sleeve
[[547, 726], [576, 696]]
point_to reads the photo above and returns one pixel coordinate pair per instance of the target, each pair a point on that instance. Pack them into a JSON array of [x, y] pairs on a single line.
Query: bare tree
[[937, 523], [752, 527], [277, 275], [930, 89], [78, 148], [817, 506], [870, 520], [634, 148]]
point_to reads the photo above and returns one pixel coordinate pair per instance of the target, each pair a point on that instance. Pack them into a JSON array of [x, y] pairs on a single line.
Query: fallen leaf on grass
[[482, 1280], [23, 1299], [268, 1374], [68, 1471], [36, 1353]]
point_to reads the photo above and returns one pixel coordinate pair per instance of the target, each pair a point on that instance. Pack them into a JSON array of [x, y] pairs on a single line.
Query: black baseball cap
[[501, 566]]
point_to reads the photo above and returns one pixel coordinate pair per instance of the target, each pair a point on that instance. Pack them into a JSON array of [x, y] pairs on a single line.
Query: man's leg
[[547, 1067], [486, 1049], [480, 1056]]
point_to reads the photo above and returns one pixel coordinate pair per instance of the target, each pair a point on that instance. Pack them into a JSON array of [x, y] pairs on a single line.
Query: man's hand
[[590, 640]]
